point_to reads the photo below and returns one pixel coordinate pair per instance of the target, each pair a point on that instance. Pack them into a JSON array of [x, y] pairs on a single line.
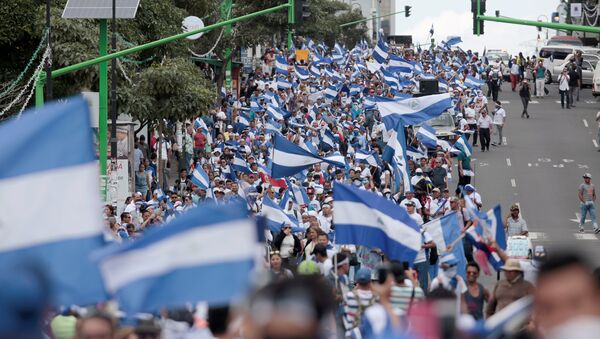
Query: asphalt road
[[540, 166]]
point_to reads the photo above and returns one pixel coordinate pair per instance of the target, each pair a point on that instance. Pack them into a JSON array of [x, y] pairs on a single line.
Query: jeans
[[525, 102], [422, 269], [513, 81], [572, 95], [484, 135], [585, 209], [473, 127], [499, 130], [564, 95], [539, 87]]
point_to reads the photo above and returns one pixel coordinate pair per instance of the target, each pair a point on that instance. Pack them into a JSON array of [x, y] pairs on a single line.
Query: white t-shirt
[[415, 200], [484, 121], [417, 218], [442, 280], [470, 115], [563, 82], [286, 245], [426, 238], [499, 116]]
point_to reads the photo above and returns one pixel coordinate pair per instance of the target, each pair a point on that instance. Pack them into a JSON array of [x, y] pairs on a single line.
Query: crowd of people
[[315, 287]]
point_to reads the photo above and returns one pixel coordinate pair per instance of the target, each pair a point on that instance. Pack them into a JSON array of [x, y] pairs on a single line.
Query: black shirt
[[574, 77]]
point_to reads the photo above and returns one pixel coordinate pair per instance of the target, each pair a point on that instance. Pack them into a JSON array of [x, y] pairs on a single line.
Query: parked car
[[561, 40], [587, 68], [443, 125], [554, 56]]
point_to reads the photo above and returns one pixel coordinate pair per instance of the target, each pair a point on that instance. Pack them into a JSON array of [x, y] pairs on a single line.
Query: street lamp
[[547, 20]]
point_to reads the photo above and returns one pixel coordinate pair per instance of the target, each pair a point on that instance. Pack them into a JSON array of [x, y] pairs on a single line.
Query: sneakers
[[596, 230], [581, 230]]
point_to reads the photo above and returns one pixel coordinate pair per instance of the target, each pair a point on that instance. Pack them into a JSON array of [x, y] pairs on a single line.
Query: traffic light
[[301, 10], [481, 12], [407, 11]]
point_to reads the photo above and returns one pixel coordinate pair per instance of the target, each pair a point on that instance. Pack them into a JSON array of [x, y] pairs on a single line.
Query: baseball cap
[[418, 170], [469, 188], [514, 207], [435, 190], [587, 175], [410, 203], [363, 276]]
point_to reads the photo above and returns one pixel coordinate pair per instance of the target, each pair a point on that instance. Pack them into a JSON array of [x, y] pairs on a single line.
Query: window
[[560, 55]]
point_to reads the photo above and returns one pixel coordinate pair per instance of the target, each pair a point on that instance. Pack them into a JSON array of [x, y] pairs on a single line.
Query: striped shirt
[[355, 303], [401, 295]]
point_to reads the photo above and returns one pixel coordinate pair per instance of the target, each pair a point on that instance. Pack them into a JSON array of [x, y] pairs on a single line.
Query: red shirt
[[199, 140]]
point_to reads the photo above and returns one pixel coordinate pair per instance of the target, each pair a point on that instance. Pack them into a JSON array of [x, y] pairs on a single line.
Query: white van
[[596, 82], [554, 56]]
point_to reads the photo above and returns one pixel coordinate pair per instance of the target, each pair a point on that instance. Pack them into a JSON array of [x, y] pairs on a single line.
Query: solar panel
[[100, 9]]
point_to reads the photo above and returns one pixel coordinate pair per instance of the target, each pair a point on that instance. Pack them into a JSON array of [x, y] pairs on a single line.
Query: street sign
[[576, 10], [100, 9], [192, 23]]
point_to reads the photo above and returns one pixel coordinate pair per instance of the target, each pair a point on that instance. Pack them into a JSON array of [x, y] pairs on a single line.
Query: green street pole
[[367, 19], [225, 14], [478, 12], [39, 90], [552, 25], [103, 102], [291, 22]]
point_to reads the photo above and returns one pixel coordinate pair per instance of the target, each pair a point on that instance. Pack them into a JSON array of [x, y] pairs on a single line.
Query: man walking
[[587, 198], [540, 79], [514, 74], [563, 88], [495, 77], [498, 120], [525, 94], [483, 127], [574, 82], [510, 289], [476, 294]]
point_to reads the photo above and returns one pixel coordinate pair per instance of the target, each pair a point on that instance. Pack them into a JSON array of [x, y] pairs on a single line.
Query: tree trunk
[[159, 167]]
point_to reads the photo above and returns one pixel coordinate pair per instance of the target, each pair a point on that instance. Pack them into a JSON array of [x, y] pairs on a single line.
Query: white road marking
[[483, 164], [567, 160], [544, 160], [513, 182], [529, 164], [504, 142], [582, 166], [578, 218], [558, 101], [504, 101], [508, 162], [590, 101], [585, 236], [538, 236], [585, 123], [534, 102], [558, 166], [595, 143], [537, 165]]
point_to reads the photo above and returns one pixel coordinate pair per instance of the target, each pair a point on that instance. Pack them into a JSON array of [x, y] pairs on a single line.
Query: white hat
[[418, 170], [587, 175]]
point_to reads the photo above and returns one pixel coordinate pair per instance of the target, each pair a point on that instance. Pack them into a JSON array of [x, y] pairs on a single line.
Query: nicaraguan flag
[[239, 164], [298, 193], [445, 232], [414, 153], [49, 153], [276, 217], [453, 40], [395, 154], [473, 82], [276, 113], [426, 135], [366, 157], [463, 146], [289, 158], [336, 159], [314, 70], [331, 92], [301, 73], [355, 89], [364, 218], [281, 66], [272, 126], [443, 85], [328, 140], [223, 92], [200, 178], [509, 320], [185, 261], [380, 52], [390, 79], [414, 110], [283, 84], [398, 64]]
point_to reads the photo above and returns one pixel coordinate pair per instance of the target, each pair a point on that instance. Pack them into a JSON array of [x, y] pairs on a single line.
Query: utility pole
[[48, 65], [113, 87], [225, 15], [291, 22], [103, 105]]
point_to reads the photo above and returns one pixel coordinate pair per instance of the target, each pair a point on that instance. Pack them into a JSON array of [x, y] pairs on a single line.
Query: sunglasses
[[274, 252]]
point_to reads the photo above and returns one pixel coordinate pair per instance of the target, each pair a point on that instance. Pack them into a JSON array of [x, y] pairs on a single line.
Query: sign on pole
[[576, 10]]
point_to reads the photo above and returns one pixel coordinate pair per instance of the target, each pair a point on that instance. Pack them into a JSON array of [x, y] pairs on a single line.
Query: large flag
[[289, 158], [453, 40], [239, 164], [446, 233], [473, 82], [50, 219], [200, 177], [301, 73], [399, 65], [276, 217], [486, 226], [184, 261], [395, 154], [281, 66], [463, 146], [426, 135], [364, 218], [414, 110], [380, 52]]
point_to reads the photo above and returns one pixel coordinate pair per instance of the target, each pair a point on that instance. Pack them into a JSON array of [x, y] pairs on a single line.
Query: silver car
[[587, 68]]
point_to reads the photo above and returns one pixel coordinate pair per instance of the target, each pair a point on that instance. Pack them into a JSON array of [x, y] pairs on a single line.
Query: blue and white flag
[[239, 164], [276, 113], [463, 146], [200, 178], [184, 261], [443, 85], [414, 153], [331, 92], [380, 52], [366, 157], [289, 158], [273, 126], [301, 73], [414, 110], [486, 226], [473, 82], [276, 217], [314, 70], [364, 218], [298, 193], [395, 154], [399, 65], [283, 84], [328, 140], [453, 40], [355, 89], [336, 159], [426, 135], [390, 79], [50, 219], [508, 321], [281, 65], [446, 233]]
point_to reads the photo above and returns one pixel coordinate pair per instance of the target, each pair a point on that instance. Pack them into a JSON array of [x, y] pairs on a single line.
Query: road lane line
[[584, 236], [508, 162], [595, 143], [585, 123], [504, 142], [513, 182], [529, 164]]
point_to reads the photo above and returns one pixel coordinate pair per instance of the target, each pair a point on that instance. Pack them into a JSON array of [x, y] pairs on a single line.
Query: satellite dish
[[192, 23]]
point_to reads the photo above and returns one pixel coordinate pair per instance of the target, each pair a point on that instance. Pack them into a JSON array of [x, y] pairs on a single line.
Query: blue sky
[[454, 17]]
